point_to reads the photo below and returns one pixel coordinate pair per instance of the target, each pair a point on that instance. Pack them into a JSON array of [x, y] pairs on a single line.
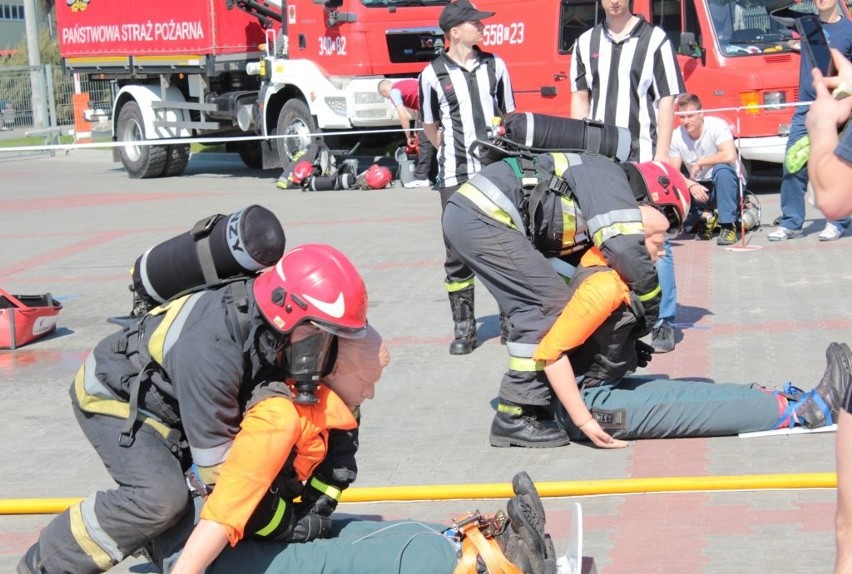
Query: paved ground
[[73, 225]]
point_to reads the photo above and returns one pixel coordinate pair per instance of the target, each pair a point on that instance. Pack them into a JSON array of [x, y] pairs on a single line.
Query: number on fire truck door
[[332, 46], [499, 34]]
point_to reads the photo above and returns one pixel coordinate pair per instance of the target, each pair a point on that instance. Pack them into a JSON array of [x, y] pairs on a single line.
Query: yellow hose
[[545, 489]]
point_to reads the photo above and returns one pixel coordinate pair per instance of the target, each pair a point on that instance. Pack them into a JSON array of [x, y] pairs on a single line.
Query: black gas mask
[[308, 357]]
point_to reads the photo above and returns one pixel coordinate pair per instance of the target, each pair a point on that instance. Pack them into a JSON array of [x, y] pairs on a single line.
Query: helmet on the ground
[[313, 283], [302, 171], [663, 187], [377, 176]]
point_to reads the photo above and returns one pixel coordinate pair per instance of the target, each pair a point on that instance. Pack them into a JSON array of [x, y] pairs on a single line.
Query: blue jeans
[[724, 194], [794, 186], [666, 273]]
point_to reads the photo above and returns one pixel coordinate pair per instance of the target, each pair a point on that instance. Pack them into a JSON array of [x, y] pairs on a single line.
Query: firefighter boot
[[461, 303], [524, 542], [31, 562], [515, 425], [522, 485], [820, 406]]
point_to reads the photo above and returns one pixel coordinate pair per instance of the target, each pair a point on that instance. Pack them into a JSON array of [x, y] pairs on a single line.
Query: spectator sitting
[[705, 146]]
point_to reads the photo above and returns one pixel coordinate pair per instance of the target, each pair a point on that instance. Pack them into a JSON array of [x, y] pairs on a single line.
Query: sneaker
[[662, 338], [726, 237], [783, 234], [417, 183], [821, 406], [832, 232], [710, 225]]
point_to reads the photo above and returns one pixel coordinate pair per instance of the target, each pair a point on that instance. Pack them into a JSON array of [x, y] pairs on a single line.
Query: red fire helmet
[[317, 283]]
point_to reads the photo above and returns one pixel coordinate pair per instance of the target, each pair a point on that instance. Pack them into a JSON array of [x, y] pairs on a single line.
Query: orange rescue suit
[[270, 431], [593, 302]]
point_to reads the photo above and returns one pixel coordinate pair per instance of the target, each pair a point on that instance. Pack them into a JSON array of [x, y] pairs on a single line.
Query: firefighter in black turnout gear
[[521, 225], [164, 401]]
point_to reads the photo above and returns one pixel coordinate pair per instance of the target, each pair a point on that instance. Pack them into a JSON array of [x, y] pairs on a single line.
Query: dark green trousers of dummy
[[642, 407], [356, 546]]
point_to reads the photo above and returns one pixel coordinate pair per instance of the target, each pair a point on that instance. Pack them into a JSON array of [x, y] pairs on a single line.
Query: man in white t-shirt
[[705, 145]]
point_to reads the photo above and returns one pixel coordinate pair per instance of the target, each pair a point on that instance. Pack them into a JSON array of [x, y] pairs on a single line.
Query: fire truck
[[222, 68], [733, 55]]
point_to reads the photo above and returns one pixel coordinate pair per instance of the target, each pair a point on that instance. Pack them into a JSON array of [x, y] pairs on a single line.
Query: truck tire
[[177, 156], [251, 154], [295, 119], [140, 161]]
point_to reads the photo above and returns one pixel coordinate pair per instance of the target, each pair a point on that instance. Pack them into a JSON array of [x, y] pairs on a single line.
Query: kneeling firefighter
[[522, 225], [163, 401]]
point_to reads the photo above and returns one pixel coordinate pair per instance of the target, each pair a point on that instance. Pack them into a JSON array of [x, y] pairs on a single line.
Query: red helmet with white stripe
[[665, 188], [313, 283]]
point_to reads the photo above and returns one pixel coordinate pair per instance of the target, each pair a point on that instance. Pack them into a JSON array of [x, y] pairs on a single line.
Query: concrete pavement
[[74, 224]]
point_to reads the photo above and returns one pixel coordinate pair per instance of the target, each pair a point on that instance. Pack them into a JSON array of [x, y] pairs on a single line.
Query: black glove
[[646, 312], [310, 527], [644, 353]]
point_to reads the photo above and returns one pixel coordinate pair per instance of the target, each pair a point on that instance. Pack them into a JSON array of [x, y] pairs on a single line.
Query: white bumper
[[770, 149]]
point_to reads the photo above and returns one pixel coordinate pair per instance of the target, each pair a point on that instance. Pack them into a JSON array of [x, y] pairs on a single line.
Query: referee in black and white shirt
[[624, 71], [460, 92]]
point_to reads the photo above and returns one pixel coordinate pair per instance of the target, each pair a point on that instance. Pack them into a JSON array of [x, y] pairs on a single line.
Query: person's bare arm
[[828, 173], [431, 131], [580, 104], [404, 121], [665, 125], [843, 518], [560, 374], [727, 154], [207, 540]]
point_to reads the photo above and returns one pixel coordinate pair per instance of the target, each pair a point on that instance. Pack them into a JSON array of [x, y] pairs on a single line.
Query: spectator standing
[[460, 92], [838, 29], [612, 81], [405, 97], [705, 145]]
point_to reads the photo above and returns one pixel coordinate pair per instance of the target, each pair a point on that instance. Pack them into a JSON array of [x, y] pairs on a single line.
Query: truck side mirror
[[689, 47]]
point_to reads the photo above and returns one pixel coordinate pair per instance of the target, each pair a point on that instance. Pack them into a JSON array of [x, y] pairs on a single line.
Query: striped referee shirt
[[626, 79], [463, 103]]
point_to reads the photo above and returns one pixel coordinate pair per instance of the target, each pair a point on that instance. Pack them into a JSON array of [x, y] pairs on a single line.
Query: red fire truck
[[732, 54], [243, 67]]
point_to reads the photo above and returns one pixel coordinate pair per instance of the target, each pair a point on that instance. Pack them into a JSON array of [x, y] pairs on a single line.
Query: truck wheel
[[295, 120], [177, 156], [251, 154], [140, 161]]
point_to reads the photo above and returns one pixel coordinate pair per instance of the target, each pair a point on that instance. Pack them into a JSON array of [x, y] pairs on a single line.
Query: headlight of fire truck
[[774, 100]]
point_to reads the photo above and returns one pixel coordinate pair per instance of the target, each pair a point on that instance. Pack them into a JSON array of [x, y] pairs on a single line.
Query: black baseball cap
[[459, 12]]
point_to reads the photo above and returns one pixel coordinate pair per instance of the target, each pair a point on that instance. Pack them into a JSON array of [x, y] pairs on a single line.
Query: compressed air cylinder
[[217, 248], [546, 132]]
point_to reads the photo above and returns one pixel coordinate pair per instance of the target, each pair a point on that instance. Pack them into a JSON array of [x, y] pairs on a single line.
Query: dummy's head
[[358, 368], [384, 88], [656, 224]]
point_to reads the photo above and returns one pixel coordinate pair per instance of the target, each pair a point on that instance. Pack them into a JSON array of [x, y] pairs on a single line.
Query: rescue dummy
[[510, 541], [594, 345], [521, 225], [174, 391]]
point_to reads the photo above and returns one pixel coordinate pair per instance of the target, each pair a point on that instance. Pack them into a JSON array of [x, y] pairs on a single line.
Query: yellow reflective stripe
[[501, 408], [650, 295], [157, 342], [326, 489], [452, 287], [560, 163], [276, 520], [569, 222], [111, 407], [87, 544], [485, 205], [525, 365], [610, 231]]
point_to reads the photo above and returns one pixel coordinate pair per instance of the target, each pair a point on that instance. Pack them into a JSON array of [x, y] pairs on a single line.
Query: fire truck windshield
[[744, 27]]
